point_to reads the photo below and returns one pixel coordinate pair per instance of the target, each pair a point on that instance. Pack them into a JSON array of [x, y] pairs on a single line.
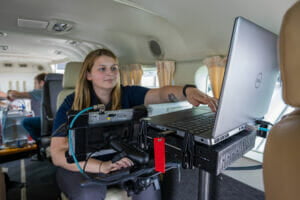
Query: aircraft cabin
[[137, 99]]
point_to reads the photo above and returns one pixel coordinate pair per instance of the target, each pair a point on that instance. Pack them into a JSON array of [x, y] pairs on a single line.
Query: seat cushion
[[116, 194], [62, 95], [71, 74], [281, 159], [112, 194]]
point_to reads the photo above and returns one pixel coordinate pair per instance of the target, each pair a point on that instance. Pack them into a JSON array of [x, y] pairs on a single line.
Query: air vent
[[40, 68], [155, 49], [35, 24], [23, 65], [8, 65]]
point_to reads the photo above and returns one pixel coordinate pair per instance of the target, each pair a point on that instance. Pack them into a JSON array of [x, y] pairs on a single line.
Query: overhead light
[[60, 26], [3, 34], [40, 68], [135, 5], [29, 23], [58, 52]]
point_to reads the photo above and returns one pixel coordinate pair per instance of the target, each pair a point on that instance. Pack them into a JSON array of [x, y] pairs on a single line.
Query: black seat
[[52, 86]]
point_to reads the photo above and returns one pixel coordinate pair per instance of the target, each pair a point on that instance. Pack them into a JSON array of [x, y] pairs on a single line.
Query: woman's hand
[[10, 95], [107, 166], [196, 97]]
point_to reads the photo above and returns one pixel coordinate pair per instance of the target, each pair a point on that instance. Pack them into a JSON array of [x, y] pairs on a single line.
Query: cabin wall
[[186, 71], [16, 77]]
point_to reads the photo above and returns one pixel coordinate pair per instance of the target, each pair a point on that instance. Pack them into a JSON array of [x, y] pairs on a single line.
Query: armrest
[[134, 153]]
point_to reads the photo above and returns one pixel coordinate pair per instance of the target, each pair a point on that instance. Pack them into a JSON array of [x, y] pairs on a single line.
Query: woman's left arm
[[175, 93]]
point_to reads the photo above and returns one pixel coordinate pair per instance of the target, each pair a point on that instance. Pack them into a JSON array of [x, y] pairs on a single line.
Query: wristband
[[185, 87]]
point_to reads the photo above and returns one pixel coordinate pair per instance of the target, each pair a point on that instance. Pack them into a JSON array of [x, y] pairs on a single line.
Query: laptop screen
[[250, 75]]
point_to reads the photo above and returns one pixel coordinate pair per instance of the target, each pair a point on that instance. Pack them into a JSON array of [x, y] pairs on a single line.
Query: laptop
[[249, 80]]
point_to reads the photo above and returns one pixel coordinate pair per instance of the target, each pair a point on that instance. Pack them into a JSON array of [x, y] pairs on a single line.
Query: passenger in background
[[99, 83], [32, 124]]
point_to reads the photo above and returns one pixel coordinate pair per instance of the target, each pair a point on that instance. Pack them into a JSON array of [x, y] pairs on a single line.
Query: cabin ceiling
[[186, 30]]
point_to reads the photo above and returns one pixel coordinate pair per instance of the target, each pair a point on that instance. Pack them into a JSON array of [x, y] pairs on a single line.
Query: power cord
[[87, 159], [263, 128]]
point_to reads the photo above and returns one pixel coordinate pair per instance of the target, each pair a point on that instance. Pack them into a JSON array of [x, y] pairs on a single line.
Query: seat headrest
[[53, 77], [71, 74], [289, 55]]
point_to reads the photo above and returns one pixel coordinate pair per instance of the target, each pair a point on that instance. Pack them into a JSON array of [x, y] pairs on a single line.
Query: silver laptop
[[247, 88]]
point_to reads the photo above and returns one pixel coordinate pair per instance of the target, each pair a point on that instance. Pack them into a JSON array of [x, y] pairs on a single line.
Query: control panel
[[110, 116]]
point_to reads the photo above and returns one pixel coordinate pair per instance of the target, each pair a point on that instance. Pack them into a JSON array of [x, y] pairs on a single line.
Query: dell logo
[[258, 80]]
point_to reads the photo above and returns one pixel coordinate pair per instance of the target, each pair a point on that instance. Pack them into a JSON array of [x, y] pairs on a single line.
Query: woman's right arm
[[59, 145], [13, 94]]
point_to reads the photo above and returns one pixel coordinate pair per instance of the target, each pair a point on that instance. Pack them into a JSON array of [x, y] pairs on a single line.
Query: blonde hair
[[83, 86]]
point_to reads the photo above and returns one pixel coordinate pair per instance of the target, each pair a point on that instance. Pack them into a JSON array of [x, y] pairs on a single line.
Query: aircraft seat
[[70, 78], [281, 165], [52, 86], [2, 186]]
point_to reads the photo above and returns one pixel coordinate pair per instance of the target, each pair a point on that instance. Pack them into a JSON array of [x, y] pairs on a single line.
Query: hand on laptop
[[196, 97], [107, 166]]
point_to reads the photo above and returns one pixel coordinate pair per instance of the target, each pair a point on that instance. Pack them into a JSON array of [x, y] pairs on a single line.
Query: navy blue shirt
[[130, 96]]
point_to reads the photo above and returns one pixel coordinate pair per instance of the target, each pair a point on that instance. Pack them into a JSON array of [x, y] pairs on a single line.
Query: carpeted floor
[[40, 184], [231, 189], [227, 188], [40, 180]]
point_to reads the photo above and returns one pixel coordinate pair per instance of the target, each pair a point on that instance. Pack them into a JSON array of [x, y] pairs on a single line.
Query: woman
[[99, 82]]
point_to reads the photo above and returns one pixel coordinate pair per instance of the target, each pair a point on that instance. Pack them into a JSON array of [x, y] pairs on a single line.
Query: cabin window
[[59, 68], [277, 107], [202, 80], [149, 78]]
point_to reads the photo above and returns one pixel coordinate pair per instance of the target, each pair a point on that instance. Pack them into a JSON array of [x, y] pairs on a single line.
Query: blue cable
[[264, 129], [70, 138]]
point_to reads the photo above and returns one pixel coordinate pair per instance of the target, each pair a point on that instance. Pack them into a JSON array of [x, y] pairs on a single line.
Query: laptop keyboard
[[195, 125]]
